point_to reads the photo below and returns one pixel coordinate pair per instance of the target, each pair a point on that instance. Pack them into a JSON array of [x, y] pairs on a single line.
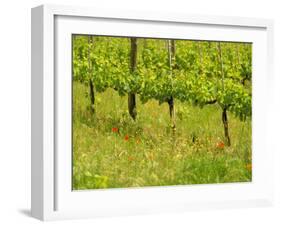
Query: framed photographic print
[[136, 112]]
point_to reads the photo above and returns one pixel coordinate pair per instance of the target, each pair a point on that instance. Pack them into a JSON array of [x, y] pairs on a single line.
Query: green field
[[111, 150]]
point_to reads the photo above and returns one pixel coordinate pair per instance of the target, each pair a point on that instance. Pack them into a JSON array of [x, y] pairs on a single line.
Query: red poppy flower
[[114, 130], [126, 138], [220, 145]]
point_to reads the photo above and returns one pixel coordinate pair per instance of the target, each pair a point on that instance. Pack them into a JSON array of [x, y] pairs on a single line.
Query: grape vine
[[196, 72]]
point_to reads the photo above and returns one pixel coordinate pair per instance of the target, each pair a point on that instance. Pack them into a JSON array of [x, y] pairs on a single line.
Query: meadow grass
[[146, 152]]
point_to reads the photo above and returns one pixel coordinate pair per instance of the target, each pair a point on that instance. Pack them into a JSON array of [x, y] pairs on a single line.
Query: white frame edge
[[42, 85], [42, 112]]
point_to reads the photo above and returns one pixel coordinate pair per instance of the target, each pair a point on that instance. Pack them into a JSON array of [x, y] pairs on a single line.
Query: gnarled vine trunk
[[90, 73], [133, 65], [172, 55], [225, 125], [224, 110], [92, 95]]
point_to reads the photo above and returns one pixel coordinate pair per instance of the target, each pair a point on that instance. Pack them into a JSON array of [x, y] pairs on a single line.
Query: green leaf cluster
[[196, 75]]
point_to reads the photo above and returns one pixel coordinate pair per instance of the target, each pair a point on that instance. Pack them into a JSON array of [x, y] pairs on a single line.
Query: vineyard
[[152, 112]]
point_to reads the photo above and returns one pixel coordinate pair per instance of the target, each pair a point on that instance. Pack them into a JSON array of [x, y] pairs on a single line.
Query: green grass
[[154, 155]]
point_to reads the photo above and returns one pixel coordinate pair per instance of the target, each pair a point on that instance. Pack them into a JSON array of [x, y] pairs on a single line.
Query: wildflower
[[114, 130], [126, 138], [249, 166], [131, 158], [220, 145], [151, 156]]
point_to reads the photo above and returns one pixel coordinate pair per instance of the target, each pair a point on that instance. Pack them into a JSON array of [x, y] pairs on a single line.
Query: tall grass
[[110, 150]]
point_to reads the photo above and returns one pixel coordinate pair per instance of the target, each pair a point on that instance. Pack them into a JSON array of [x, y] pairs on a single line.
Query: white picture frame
[[52, 197]]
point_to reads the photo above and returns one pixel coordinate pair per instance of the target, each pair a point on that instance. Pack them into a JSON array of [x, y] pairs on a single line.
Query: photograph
[[160, 112]]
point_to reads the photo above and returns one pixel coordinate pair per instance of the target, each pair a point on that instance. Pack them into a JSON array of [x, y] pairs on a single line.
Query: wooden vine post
[[133, 65], [224, 108], [200, 57], [90, 73], [172, 55]]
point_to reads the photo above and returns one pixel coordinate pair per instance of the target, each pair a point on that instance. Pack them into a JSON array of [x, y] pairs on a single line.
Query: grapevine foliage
[[200, 77]]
